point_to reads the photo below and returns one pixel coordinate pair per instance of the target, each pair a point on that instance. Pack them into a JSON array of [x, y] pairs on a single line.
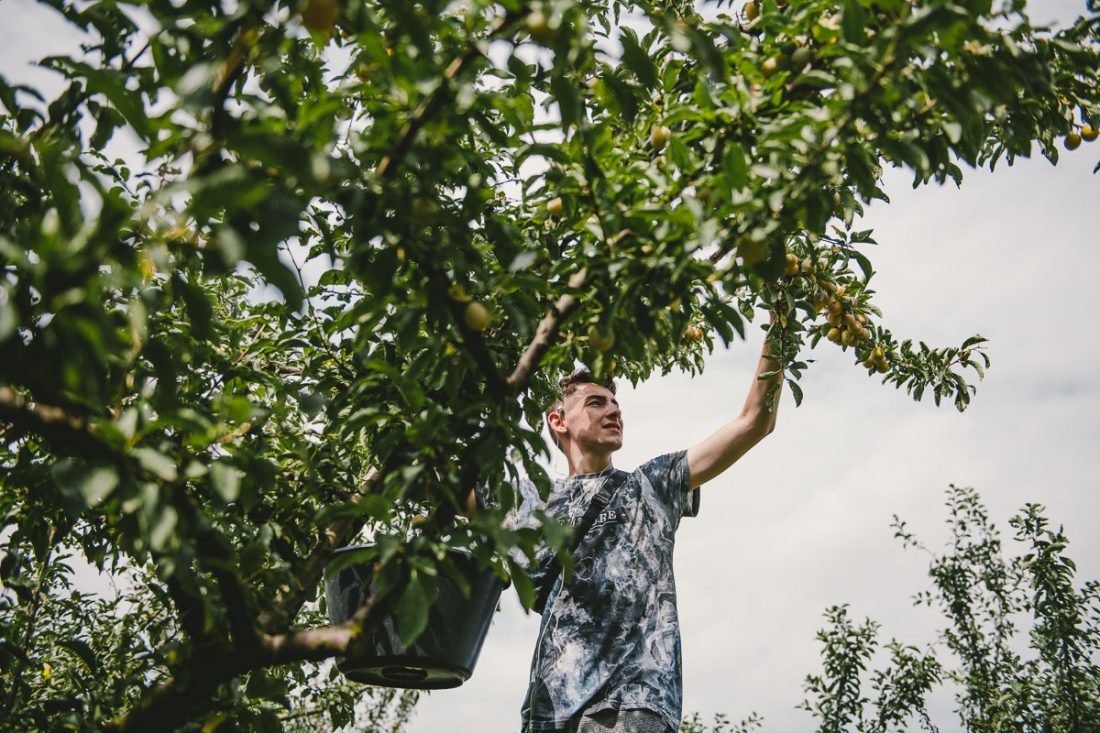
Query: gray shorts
[[619, 721]]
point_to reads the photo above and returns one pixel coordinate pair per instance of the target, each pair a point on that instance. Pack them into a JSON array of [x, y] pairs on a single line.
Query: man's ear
[[556, 420]]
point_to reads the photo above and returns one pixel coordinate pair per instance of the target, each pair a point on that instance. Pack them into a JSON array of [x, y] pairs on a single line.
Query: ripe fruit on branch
[[751, 11], [792, 265], [424, 210], [751, 250], [555, 207], [658, 137], [1088, 132], [600, 341], [800, 57], [833, 335], [694, 333], [877, 360], [1072, 141], [538, 25], [769, 66], [320, 16], [477, 316]]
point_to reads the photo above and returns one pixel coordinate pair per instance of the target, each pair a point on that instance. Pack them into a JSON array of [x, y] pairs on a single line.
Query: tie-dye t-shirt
[[611, 638]]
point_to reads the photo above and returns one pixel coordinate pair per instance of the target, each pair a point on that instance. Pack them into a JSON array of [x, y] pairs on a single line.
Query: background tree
[[1024, 638], [1022, 634], [480, 194]]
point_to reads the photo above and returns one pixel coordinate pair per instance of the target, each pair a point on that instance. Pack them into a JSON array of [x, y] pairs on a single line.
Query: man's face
[[593, 418]]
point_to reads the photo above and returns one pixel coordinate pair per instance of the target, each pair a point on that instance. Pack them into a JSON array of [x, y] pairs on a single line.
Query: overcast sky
[[803, 521]]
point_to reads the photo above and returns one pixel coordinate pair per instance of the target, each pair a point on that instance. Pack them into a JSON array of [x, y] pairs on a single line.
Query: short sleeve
[[523, 513], [670, 475]]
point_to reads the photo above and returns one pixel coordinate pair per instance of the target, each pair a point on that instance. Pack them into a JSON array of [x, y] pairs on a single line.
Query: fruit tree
[[276, 274]]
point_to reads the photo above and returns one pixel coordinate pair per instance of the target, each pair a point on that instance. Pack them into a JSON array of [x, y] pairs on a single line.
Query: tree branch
[[190, 611], [178, 699], [289, 600], [69, 434], [549, 326], [435, 101], [34, 604]]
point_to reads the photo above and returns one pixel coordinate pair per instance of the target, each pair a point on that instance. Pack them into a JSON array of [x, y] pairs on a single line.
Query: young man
[[607, 657]]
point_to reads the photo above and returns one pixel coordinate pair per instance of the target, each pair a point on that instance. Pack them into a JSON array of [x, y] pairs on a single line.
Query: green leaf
[[638, 60], [852, 21], [796, 392], [112, 84], [156, 463], [735, 165], [411, 610], [226, 480], [97, 484], [568, 98], [83, 651], [522, 581], [162, 525], [83, 486], [265, 685]]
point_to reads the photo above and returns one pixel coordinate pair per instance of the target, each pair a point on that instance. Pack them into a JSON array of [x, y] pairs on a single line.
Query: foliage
[[249, 249], [721, 724], [1006, 680], [1024, 640]]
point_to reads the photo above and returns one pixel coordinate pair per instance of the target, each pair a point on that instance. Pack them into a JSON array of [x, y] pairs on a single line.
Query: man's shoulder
[[663, 464]]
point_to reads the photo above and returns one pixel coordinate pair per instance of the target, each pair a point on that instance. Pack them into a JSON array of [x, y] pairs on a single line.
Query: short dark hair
[[567, 385]]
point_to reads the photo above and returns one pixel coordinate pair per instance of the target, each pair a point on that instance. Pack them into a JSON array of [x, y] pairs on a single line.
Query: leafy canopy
[[278, 272]]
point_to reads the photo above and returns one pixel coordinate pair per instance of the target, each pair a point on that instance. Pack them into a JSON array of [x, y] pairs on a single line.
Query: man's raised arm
[[718, 452]]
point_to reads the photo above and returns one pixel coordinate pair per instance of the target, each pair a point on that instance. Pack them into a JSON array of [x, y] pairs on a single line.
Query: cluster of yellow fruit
[[877, 360], [847, 327], [1073, 140]]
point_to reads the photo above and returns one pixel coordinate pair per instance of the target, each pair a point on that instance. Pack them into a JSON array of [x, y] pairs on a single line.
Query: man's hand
[[722, 449]]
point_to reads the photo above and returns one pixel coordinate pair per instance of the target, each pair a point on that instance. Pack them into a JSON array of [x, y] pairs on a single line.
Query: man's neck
[[589, 464]]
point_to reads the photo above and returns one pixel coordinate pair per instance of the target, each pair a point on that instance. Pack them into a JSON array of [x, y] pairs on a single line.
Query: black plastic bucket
[[444, 655]]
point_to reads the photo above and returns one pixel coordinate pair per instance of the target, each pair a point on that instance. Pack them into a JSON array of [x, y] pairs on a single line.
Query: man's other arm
[[722, 449]]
